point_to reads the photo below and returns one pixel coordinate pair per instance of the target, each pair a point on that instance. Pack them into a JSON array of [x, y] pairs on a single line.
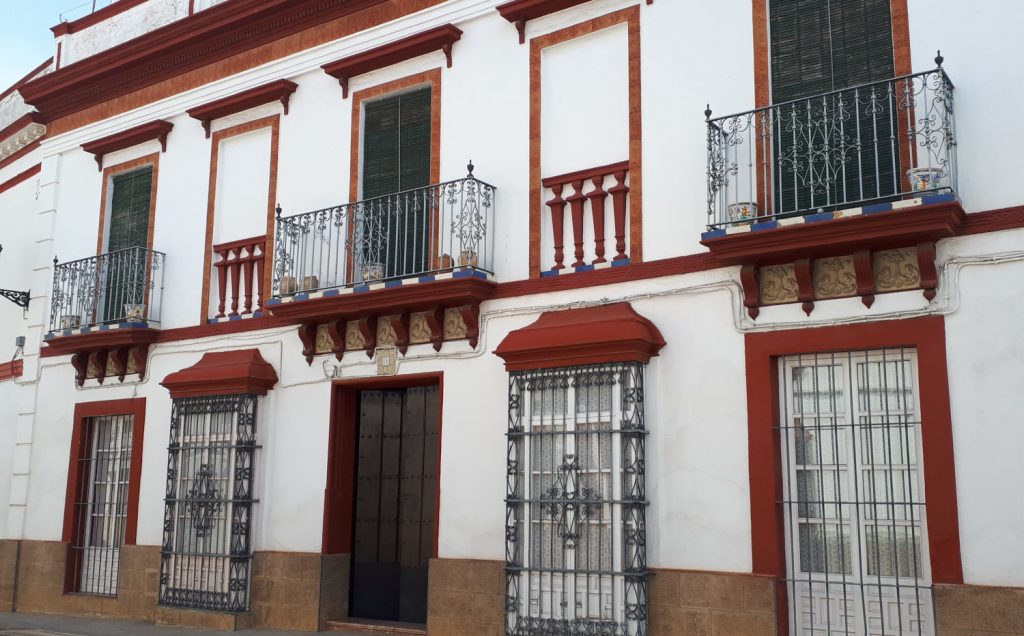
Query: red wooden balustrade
[[594, 178], [241, 267]]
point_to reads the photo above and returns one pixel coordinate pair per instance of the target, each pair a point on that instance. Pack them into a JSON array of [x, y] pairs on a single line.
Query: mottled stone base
[[8, 561], [466, 598], [971, 610], [708, 603], [41, 579]]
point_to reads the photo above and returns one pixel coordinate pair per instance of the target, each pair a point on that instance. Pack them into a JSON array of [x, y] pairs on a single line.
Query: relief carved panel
[[419, 330], [454, 325], [896, 270], [834, 277], [778, 284], [353, 339]]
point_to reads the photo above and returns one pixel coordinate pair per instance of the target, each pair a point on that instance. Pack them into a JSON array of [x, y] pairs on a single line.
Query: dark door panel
[[395, 503]]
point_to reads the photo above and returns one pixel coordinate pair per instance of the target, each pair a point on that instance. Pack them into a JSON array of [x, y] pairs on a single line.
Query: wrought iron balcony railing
[[427, 230], [121, 286], [866, 144]]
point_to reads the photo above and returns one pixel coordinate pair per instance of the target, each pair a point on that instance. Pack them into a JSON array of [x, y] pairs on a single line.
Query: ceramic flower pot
[[742, 211], [373, 271], [134, 312], [923, 179], [468, 258]]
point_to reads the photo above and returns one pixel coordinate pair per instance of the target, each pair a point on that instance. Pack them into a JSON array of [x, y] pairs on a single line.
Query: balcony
[[423, 259], [841, 175], [104, 310]]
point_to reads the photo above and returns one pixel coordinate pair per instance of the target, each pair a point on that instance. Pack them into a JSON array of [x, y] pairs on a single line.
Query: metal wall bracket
[[19, 298]]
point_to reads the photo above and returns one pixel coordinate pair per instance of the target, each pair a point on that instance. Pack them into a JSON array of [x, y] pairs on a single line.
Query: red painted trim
[[135, 407], [12, 369], [109, 11], [519, 12], [18, 124], [977, 223], [437, 39], [592, 335], [21, 153], [223, 373], [20, 177], [158, 129], [96, 340], [881, 230], [280, 90], [189, 43], [1010, 218], [25, 80], [339, 496], [928, 336]]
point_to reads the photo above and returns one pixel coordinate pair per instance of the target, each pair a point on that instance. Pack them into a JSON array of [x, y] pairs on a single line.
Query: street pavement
[[48, 625]]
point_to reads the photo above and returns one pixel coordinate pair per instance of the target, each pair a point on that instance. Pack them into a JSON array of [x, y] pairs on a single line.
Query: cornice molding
[[437, 39], [187, 44], [158, 129], [97, 16], [223, 373], [281, 90]]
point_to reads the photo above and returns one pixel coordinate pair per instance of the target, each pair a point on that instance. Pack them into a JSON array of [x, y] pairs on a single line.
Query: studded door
[[396, 486]]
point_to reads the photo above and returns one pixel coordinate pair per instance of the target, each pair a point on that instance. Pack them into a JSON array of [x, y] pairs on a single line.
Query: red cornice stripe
[[438, 39], [158, 129], [95, 17], [21, 176], [12, 369], [992, 221], [531, 9], [15, 86], [280, 90], [193, 42]]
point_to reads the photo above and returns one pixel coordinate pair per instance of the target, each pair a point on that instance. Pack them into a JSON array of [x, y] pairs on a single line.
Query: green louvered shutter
[[820, 46], [125, 272], [396, 158]]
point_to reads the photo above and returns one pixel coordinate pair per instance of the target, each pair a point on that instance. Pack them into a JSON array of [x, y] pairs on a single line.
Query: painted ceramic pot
[[373, 271], [134, 312], [70, 321], [742, 211], [922, 179], [468, 258]]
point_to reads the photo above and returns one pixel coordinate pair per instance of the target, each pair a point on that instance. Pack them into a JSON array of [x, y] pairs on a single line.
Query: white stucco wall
[[698, 482]]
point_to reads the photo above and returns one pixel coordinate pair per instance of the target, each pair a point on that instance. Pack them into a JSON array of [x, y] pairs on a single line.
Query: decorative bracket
[[805, 283], [751, 290], [19, 298], [158, 130]]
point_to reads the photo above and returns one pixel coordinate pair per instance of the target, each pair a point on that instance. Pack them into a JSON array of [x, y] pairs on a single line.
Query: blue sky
[[25, 32]]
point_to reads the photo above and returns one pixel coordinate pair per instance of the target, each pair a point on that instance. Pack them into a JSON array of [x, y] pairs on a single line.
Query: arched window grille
[[575, 529], [207, 551]]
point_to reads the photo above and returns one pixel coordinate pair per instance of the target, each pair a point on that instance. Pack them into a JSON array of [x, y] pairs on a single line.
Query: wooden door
[[396, 486]]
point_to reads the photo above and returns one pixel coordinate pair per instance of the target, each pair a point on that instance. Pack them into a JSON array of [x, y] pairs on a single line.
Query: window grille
[[853, 503], [576, 558], [101, 505], [206, 551]]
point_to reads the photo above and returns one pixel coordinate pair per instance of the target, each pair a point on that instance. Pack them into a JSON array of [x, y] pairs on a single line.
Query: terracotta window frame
[[76, 481], [273, 122], [927, 335], [106, 194], [631, 17]]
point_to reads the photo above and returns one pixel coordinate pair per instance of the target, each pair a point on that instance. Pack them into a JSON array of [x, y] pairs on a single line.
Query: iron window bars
[[847, 148], [575, 528], [420, 231], [121, 286], [855, 523], [101, 505], [207, 553]]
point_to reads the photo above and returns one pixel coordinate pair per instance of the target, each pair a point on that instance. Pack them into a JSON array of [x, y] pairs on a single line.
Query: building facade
[[624, 317]]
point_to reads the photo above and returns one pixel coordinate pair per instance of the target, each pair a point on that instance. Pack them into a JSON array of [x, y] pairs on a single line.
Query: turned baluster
[[557, 205], [596, 197], [247, 266], [235, 272], [222, 280], [576, 206], [259, 276], [618, 192]]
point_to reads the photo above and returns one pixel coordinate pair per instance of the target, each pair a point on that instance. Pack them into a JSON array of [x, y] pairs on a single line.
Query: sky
[[25, 32]]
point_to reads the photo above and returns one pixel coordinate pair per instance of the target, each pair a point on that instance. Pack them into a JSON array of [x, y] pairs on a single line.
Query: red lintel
[[519, 11], [223, 373], [158, 129], [280, 90], [437, 39], [591, 335]]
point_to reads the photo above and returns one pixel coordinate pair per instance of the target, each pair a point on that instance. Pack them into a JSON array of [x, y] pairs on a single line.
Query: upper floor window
[[128, 218], [396, 158]]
